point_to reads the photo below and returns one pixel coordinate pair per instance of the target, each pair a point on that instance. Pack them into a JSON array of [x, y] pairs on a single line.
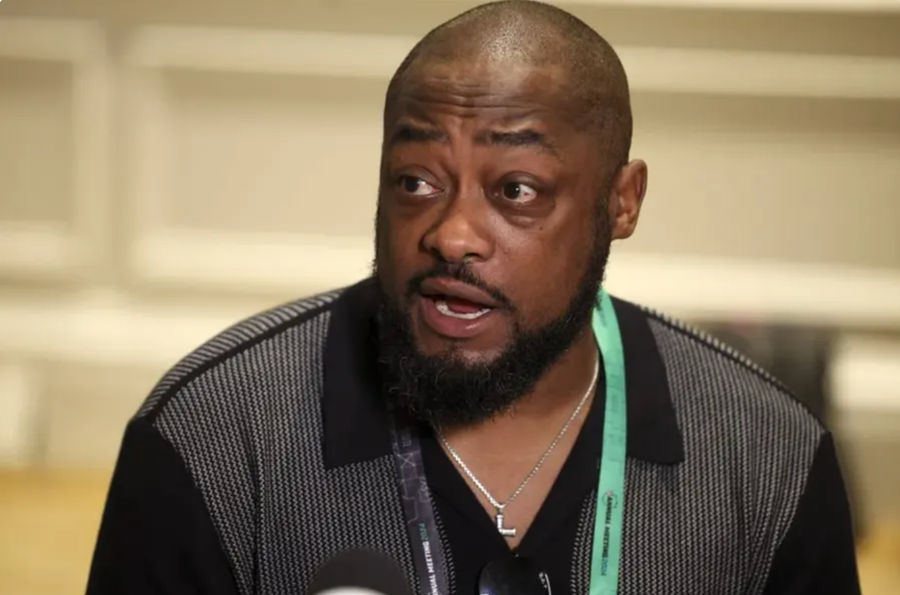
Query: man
[[466, 377]]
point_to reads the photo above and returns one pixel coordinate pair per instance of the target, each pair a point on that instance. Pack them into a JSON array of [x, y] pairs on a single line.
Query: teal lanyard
[[607, 546]]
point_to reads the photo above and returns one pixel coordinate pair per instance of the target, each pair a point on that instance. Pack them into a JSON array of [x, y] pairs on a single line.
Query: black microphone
[[360, 572]]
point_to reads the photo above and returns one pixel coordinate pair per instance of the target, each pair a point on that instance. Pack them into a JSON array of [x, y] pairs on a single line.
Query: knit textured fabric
[[244, 412]]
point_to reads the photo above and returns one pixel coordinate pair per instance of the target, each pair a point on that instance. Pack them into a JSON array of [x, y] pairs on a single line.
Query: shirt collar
[[355, 418]]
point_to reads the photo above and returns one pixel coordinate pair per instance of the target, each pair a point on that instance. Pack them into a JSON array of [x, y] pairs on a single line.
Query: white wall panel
[[55, 134], [850, 6], [263, 174], [273, 153], [36, 141], [19, 402], [798, 180], [86, 409]]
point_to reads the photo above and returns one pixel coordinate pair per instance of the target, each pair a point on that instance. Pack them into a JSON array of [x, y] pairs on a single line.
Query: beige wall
[[168, 167]]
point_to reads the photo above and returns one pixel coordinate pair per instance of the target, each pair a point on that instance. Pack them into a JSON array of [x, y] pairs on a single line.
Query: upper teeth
[[444, 309]]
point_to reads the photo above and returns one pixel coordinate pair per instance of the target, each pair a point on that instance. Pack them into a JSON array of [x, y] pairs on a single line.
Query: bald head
[[524, 34], [504, 178]]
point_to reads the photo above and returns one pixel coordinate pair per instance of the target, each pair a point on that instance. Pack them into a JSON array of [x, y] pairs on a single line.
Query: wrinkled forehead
[[486, 90]]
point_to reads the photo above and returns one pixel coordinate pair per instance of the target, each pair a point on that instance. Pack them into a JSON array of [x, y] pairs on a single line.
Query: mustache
[[459, 272]]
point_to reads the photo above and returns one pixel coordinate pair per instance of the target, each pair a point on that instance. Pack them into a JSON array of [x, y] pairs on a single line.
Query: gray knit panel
[[250, 432], [579, 580], [230, 339], [711, 524]]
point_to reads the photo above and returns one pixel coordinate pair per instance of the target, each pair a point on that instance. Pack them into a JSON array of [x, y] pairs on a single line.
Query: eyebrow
[[409, 133], [518, 138]]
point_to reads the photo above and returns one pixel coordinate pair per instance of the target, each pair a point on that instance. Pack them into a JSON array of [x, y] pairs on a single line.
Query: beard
[[445, 390]]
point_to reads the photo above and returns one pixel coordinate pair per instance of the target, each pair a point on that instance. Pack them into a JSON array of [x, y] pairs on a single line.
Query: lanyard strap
[[421, 527], [607, 548], [418, 510]]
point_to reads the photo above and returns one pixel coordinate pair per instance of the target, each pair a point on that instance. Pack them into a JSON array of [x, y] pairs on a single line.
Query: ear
[[626, 198]]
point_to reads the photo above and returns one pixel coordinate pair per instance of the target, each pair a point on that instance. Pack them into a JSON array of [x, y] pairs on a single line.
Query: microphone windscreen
[[360, 572]]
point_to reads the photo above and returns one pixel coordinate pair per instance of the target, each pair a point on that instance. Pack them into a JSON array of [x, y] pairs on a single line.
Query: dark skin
[[486, 163]]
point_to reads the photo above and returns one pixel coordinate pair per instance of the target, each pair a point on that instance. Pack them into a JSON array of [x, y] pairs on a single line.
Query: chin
[[460, 352], [474, 351]]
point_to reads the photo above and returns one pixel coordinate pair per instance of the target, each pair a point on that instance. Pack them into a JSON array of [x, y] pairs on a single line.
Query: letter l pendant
[[504, 531]]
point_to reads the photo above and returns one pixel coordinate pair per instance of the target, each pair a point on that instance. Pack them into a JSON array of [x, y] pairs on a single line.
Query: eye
[[519, 192], [415, 186]]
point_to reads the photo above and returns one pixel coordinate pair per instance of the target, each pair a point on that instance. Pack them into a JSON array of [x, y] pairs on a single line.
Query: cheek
[[549, 266], [396, 253], [386, 251]]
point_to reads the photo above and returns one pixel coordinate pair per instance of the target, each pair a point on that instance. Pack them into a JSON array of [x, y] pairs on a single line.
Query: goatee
[[446, 390]]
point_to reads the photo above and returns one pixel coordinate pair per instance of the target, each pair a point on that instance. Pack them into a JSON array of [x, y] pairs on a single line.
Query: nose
[[461, 234]]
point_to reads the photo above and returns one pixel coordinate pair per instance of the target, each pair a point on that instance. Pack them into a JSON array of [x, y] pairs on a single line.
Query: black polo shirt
[[266, 452]]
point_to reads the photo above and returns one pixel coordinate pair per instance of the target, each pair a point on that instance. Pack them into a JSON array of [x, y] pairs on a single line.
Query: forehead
[[486, 91]]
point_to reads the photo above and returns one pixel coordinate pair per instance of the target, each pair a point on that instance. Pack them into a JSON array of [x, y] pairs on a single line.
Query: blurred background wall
[[169, 167]]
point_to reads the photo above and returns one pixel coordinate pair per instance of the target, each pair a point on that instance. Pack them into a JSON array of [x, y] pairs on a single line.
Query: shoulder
[[752, 455], [720, 395], [749, 445], [265, 341]]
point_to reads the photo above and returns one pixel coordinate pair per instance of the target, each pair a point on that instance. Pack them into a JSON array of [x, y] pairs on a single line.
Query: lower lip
[[453, 328]]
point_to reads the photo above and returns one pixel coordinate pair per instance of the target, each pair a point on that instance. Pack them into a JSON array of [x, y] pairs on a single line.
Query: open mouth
[[459, 308], [455, 309]]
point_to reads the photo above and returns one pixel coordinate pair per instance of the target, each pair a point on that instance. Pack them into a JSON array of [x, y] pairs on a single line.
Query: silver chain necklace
[[500, 506]]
